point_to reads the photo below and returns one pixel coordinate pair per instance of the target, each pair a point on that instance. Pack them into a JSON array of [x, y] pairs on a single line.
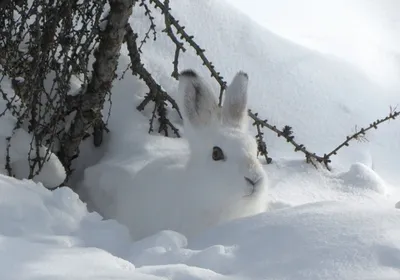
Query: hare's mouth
[[254, 185]]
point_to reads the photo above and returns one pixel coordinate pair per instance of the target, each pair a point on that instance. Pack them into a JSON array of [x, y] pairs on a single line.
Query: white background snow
[[321, 67]]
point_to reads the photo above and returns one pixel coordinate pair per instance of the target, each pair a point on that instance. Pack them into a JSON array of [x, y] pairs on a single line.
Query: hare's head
[[223, 153]]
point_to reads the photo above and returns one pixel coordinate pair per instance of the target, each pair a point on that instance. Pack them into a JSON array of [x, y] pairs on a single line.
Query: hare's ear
[[234, 110], [199, 104]]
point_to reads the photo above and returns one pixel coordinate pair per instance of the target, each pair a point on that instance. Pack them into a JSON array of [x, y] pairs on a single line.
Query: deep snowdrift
[[50, 235]]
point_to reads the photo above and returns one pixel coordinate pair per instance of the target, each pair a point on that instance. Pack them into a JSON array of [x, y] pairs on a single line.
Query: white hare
[[218, 179]]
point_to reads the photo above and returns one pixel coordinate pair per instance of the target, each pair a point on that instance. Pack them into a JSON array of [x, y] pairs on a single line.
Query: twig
[[326, 158], [261, 145], [178, 45], [152, 27], [310, 157], [190, 40], [361, 133], [156, 93]]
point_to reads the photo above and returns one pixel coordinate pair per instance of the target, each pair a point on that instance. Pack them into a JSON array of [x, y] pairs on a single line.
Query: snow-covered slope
[[362, 32]]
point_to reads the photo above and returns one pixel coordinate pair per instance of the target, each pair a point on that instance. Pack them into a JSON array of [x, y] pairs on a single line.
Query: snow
[[320, 224], [51, 235], [365, 36], [21, 147]]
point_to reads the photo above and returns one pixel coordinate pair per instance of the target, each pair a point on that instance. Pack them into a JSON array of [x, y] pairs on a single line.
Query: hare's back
[[142, 189]]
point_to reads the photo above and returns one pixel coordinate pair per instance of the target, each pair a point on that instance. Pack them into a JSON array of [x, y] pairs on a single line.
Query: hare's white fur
[[191, 191]]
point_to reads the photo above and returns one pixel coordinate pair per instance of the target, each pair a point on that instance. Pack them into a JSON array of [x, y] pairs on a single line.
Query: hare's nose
[[248, 180], [253, 184]]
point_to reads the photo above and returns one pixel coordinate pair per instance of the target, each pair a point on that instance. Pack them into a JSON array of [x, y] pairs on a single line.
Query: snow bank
[[28, 210], [50, 235], [327, 240]]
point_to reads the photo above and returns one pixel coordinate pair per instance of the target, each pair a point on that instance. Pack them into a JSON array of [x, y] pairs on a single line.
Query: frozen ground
[[321, 225]]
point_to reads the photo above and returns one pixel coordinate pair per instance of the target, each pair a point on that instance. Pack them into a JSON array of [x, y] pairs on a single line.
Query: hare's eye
[[217, 154]]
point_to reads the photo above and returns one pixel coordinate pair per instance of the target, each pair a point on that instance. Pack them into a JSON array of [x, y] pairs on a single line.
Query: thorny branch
[[261, 145], [170, 20], [179, 45], [156, 93], [326, 158], [41, 47], [359, 134], [152, 26], [288, 135]]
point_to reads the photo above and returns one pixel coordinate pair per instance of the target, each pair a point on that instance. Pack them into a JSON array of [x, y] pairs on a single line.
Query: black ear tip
[[188, 73], [244, 74]]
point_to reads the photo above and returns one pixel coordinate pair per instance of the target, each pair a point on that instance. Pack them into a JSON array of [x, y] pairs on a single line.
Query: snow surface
[[320, 225], [51, 235], [362, 32]]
